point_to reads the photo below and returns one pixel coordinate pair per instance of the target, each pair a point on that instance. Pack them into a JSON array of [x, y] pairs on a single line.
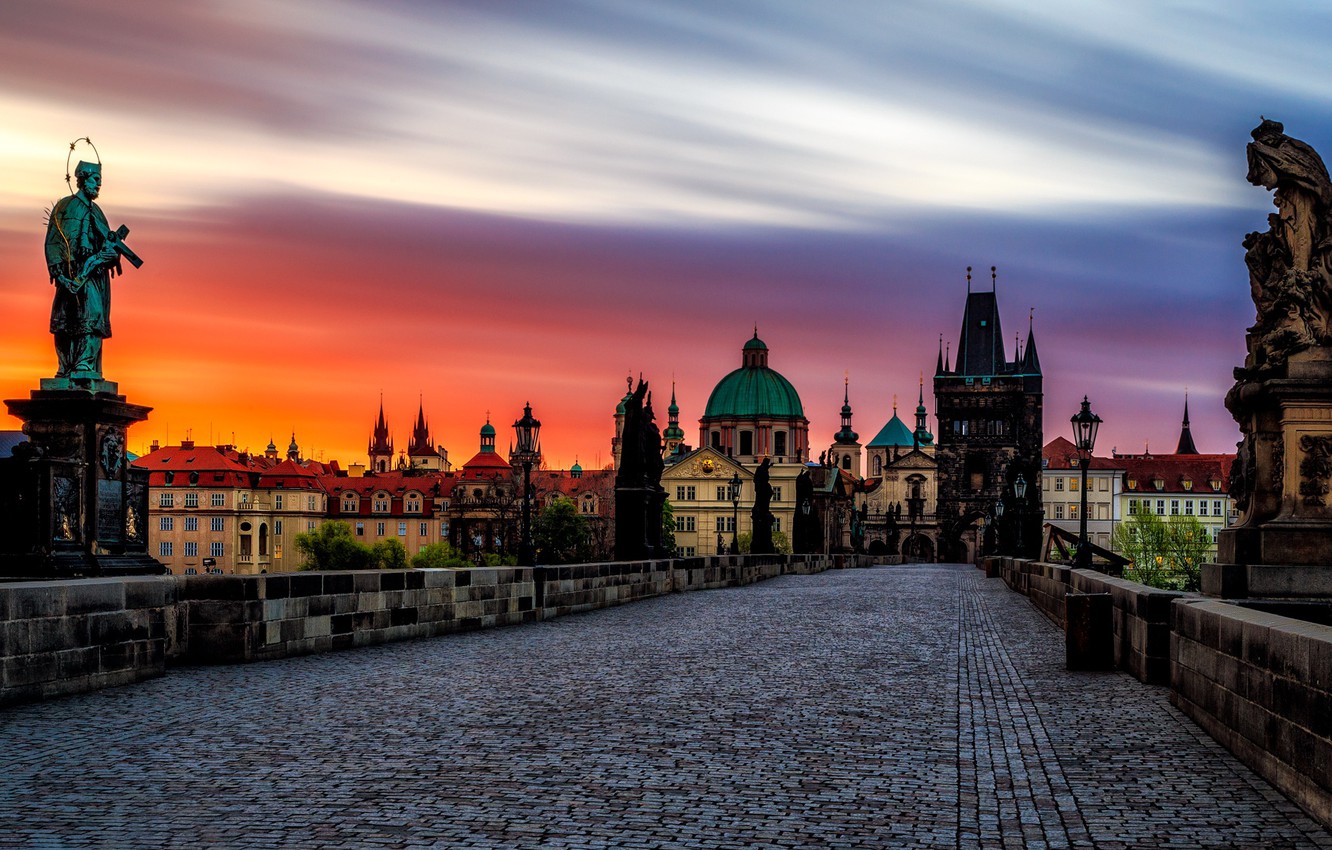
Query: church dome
[[754, 390], [895, 433]]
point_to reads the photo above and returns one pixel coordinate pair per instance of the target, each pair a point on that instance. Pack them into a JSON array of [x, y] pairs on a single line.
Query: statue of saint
[[82, 255]]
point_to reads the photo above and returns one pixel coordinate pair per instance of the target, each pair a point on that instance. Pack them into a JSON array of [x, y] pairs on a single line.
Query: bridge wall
[[1261, 684], [1258, 682], [63, 637]]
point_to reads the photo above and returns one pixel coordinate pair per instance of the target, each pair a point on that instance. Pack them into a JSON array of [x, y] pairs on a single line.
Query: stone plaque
[[110, 499], [65, 506]]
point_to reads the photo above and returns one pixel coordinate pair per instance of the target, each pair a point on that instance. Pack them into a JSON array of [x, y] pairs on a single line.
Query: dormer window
[[381, 503], [1158, 482], [1216, 485], [1187, 483], [1133, 483], [413, 503]]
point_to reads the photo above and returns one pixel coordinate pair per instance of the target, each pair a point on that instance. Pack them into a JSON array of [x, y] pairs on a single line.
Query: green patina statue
[[82, 255]]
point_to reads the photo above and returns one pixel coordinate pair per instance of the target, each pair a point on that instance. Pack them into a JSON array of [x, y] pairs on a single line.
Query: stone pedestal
[[70, 503], [1283, 477]]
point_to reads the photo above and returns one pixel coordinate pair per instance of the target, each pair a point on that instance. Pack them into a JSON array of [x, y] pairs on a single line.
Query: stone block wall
[[1261, 684], [1140, 621], [227, 619], [64, 637]]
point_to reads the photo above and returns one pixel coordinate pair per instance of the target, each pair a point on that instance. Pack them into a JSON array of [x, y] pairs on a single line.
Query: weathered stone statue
[[82, 255], [1282, 397], [638, 494], [762, 513], [1290, 264]]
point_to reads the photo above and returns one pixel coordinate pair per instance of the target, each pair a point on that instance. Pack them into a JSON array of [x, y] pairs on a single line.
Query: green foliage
[[438, 556], [389, 554], [332, 546], [781, 544], [1166, 552], [495, 559], [562, 534], [668, 526]]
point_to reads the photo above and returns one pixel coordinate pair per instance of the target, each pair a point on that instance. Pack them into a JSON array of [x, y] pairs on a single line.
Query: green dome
[[754, 392], [487, 430]]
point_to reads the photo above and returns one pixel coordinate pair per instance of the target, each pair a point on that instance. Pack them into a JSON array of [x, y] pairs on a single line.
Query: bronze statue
[[82, 255], [761, 515]]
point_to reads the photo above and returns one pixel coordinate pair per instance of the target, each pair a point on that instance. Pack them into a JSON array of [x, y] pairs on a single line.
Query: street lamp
[[735, 512], [528, 431], [998, 524], [1020, 492], [1085, 424]]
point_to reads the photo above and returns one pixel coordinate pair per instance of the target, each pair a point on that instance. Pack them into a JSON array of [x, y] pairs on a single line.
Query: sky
[[466, 206]]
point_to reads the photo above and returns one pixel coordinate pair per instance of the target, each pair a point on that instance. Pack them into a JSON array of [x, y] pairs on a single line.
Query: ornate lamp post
[[998, 523], [1020, 492], [735, 512], [528, 431], [1085, 424]]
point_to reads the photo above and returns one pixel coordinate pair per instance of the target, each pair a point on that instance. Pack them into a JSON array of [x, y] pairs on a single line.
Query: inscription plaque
[[110, 500]]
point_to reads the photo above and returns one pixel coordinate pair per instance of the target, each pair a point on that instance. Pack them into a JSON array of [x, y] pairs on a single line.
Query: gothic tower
[[989, 413], [381, 446]]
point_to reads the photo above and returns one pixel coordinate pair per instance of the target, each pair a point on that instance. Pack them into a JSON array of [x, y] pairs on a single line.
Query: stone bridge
[[909, 706]]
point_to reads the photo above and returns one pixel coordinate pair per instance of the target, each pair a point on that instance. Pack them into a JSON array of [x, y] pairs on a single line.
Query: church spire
[[846, 436], [381, 446], [1031, 362], [1186, 446]]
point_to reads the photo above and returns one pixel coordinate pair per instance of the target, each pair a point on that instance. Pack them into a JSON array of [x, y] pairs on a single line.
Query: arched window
[[878, 464], [382, 502]]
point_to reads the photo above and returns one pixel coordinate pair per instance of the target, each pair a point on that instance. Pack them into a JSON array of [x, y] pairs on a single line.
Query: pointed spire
[[939, 367], [846, 435], [1186, 446], [921, 436], [948, 352], [1031, 362]]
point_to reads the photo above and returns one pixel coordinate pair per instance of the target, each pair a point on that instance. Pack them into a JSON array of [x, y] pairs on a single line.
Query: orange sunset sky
[[473, 205]]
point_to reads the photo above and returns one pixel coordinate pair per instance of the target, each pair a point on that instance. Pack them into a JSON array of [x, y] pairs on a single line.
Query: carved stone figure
[[82, 255], [1315, 469], [762, 513], [1290, 265], [638, 494]]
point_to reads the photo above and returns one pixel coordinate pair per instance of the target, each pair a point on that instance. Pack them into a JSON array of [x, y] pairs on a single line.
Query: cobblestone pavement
[[916, 706]]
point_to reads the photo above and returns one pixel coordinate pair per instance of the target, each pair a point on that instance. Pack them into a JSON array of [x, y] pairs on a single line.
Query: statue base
[[70, 503], [1284, 469]]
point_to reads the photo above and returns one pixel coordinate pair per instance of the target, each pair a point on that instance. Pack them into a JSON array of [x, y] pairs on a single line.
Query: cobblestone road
[[895, 707]]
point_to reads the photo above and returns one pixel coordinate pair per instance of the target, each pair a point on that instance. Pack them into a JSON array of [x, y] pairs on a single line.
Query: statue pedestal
[[1285, 468], [70, 503]]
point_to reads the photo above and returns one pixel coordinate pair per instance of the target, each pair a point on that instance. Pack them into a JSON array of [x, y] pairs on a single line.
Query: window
[[215, 550], [716, 440], [686, 551], [746, 442], [1073, 484], [878, 465], [277, 527], [360, 529], [444, 530], [166, 523], [277, 502], [687, 523], [413, 503], [191, 549], [166, 500], [723, 493], [1072, 511], [217, 523], [776, 523], [1216, 508], [424, 530], [402, 529], [191, 500], [191, 523], [726, 524], [218, 500], [310, 525], [1174, 507], [1103, 485], [379, 529], [310, 503], [684, 494], [1133, 507], [1059, 511], [1160, 507], [1188, 507], [382, 502], [776, 494], [1059, 484], [164, 549], [779, 443]]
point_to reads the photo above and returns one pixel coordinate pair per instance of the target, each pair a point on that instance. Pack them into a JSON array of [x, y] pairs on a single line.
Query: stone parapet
[[68, 636], [1260, 684]]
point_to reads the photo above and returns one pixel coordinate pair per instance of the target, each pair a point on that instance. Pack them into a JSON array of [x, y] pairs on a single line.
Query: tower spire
[[1186, 446]]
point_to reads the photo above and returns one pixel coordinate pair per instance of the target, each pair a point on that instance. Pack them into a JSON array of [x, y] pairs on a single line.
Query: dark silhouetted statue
[[638, 494], [762, 512]]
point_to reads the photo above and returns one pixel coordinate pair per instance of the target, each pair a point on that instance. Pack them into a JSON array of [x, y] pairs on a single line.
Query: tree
[[332, 546], [781, 544], [438, 556], [1166, 552], [668, 527], [389, 554], [561, 533]]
